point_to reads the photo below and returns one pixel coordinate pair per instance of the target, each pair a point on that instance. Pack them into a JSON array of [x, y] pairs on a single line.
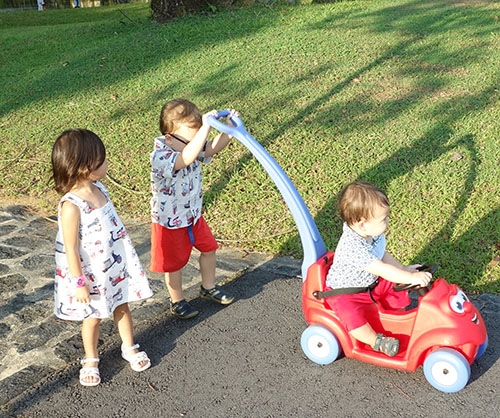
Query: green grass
[[401, 93]]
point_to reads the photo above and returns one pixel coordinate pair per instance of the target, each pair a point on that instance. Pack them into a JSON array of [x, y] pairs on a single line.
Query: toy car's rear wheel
[[320, 345], [447, 370]]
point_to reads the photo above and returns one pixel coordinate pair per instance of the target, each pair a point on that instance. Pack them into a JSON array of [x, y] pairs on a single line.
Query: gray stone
[[10, 252]]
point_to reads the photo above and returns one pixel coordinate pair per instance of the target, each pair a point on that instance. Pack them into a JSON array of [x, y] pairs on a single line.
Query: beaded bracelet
[[80, 280]]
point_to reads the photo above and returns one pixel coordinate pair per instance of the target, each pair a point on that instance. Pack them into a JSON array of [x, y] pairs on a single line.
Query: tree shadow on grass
[[476, 245], [435, 143]]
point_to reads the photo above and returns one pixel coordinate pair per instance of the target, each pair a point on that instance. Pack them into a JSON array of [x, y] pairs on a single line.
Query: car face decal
[[457, 302]]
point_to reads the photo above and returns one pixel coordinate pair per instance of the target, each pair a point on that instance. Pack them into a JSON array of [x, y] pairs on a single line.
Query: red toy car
[[445, 333]]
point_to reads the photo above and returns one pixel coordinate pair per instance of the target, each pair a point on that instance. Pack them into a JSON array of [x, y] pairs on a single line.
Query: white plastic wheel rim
[[444, 373], [318, 346]]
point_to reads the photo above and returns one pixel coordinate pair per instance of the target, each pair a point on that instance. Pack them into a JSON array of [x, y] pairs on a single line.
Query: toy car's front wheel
[[482, 348], [320, 345], [447, 370]]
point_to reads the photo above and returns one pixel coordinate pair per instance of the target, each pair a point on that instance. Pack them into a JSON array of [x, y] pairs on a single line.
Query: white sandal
[[86, 372], [136, 359]]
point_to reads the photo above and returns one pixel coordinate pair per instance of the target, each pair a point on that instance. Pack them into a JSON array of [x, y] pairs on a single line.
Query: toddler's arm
[[393, 271], [70, 224], [192, 150], [221, 140]]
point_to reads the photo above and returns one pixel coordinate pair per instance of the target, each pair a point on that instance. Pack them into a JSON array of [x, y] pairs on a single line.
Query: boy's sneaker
[[387, 345], [183, 310], [217, 295]]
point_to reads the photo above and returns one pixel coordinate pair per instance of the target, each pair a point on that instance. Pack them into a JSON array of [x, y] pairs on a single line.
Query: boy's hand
[[421, 278], [204, 118], [233, 113]]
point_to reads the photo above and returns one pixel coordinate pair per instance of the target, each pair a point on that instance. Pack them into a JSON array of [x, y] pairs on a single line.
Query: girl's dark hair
[[359, 199], [75, 154], [179, 111]]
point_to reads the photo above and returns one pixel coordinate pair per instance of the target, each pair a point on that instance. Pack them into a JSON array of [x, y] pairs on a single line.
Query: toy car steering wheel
[[422, 290]]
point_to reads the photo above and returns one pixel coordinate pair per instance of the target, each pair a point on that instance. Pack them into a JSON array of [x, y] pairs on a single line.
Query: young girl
[[97, 268], [363, 272]]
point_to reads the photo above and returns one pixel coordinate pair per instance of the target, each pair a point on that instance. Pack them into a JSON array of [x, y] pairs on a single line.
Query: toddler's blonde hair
[[358, 201], [179, 111]]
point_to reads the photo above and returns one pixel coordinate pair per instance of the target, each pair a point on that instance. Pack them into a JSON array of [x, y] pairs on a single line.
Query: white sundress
[[109, 261]]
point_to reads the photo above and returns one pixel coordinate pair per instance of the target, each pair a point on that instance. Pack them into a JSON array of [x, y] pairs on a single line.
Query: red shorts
[[351, 308], [171, 248]]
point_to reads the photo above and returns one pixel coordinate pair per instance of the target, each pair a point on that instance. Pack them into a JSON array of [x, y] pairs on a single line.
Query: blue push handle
[[312, 244]]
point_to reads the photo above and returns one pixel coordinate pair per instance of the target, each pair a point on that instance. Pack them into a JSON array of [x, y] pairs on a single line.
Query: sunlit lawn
[[401, 93]]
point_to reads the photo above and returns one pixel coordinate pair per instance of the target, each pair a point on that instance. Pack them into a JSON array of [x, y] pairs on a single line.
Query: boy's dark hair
[[358, 200], [75, 154], [179, 111]]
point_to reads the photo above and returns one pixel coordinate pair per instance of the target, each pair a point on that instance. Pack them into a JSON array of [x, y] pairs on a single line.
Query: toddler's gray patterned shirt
[[352, 255]]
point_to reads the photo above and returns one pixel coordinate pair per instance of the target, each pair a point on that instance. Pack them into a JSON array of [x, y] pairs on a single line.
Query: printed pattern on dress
[[109, 262]]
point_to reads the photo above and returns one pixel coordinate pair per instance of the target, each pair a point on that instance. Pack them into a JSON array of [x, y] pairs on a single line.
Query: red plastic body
[[431, 325]]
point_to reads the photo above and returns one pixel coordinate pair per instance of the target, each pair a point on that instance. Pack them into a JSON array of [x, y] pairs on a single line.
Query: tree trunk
[[165, 10]]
